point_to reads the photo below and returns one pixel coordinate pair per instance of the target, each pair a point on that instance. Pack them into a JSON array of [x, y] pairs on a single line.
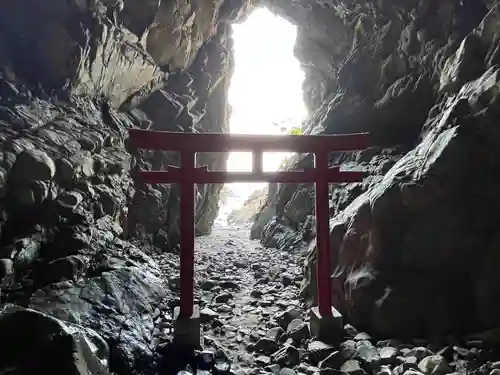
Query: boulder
[[32, 165], [434, 365], [53, 346], [118, 304], [425, 185]]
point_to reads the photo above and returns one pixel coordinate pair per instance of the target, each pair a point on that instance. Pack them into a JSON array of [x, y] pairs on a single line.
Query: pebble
[[401, 369], [352, 367], [266, 345], [390, 342], [368, 354], [419, 353], [224, 309], [208, 314], [434, 365], [263, 360], [384, 370], [350, 331], [348, 349], [334, 361], [297, 330], [287, 355], [275, 333], [287, 279], [241, 264], [409, 360], [284, 318], [362, 336], [229, 285], [208, 284], [223, 298], [388, 355], [256, 293], [318, 351]]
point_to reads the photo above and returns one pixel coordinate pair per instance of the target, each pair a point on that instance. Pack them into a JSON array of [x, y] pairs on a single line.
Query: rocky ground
[[242, 290], [118, 320], [255, 323]]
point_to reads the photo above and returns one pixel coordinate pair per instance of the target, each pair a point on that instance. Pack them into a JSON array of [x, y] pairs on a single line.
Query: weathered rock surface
[[415, 251], [250, 208], [79, 239], [51, 345], [84, 54], [90, 255]]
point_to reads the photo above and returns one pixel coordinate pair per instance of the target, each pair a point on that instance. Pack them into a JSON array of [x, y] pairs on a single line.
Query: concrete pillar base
[[187, 333], [329, 329]]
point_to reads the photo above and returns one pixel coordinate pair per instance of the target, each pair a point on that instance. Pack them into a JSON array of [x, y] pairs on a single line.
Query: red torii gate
[[188, 144]]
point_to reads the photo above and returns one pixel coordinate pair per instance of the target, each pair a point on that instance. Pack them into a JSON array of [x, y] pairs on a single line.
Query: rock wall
[[244, 215], [414, 244], [85, 262], [80, 242]]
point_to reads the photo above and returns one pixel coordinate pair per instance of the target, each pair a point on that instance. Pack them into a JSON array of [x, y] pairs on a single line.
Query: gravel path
[[244, 288]]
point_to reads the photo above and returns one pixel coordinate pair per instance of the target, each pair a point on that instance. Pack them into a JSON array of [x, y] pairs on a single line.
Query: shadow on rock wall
[[415, 243], [80, 241]]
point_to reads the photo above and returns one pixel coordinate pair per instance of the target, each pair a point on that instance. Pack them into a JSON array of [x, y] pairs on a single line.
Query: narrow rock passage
[[244, 291]]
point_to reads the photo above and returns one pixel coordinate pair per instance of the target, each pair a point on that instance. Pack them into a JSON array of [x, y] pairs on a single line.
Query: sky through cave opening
[[265, 93]]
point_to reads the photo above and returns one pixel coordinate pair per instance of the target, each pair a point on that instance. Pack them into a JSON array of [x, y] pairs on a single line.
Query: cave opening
[[265, 95]]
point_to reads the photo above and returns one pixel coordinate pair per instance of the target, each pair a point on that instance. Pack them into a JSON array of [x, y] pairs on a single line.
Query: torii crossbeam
[[188, 174]]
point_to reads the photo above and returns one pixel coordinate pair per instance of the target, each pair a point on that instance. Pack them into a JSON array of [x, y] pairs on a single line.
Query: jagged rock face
[[78, 235], [44, 338], [78, 47], [174, 31], [194, 101], [79, 238], [95, 58], [66, 188], [245, 214], [415, 252], [85, 55]]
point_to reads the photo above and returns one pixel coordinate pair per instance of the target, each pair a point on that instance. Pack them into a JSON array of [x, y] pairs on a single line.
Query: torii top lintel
[[209, 142]]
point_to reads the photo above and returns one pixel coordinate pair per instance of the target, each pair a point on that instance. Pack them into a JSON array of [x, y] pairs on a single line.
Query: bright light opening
[[265, 92]]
